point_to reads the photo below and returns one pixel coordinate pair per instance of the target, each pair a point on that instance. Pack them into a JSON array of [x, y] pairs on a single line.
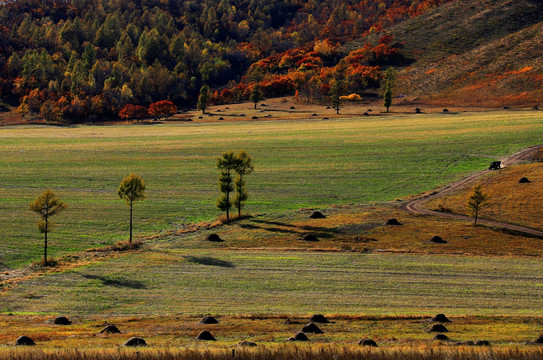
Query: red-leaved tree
[[133, 112], [162, 109]]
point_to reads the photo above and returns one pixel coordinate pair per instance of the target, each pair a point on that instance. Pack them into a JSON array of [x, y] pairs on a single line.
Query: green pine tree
[[476, 200], [388, 95], [46, 205], [244, 166], [227, 165], [203, 98], [256, 94], [390, 78]]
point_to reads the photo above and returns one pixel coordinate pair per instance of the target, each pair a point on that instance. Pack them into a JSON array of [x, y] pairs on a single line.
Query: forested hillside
[[81, 58]]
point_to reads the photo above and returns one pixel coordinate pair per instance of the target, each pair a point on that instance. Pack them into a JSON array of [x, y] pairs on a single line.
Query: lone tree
[[477, 200], [131, 189], [256, 94], [390, 78], [227, 164], [46, 205], [203, 98], [244, 166], [256, 74], [162, 109], [338, 86]]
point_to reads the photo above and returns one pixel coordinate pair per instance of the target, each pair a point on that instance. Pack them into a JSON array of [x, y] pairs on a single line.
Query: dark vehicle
[[495, 165]]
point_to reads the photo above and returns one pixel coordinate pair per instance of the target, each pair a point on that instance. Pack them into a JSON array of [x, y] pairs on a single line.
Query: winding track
[[416, 206]]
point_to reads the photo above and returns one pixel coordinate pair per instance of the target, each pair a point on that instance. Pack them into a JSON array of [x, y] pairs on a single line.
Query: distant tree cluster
[[77, 59], [317, 74], [158, 110]]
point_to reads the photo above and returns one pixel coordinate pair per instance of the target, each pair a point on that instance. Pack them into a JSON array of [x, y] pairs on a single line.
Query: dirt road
[[417, 205]]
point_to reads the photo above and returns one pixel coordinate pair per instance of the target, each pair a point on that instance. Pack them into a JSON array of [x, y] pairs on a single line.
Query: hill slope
[[475, 52]]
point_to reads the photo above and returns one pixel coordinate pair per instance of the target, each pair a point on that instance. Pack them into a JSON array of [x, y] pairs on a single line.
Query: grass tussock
[[124, 245], [51, 263], [285, 352]]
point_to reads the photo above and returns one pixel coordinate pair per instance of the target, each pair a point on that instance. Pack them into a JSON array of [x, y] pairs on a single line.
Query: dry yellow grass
[[361, 229], [510, 201], [285, 352], [179, 331]]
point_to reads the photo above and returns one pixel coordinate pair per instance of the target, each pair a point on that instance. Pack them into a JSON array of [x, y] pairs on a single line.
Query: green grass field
[[200, 281], [312, 163]]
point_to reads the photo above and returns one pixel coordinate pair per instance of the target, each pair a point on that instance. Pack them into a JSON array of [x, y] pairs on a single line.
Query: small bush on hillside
[[351, 97]]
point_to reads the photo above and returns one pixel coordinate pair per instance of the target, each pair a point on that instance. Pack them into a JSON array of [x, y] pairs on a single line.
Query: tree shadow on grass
[[208, 260], [133, 284], [319, 231], [273, 223]]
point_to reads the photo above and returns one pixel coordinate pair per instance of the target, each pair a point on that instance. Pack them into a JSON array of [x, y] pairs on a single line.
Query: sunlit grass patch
[[207, 280], [510, 201], [301, 163]]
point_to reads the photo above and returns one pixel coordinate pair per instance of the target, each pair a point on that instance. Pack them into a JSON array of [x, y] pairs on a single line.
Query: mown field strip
[[297, 164], [201, 281]]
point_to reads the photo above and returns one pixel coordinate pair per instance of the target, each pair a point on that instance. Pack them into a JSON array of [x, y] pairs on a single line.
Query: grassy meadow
[[263, 281], [298, 164], [200, 281]]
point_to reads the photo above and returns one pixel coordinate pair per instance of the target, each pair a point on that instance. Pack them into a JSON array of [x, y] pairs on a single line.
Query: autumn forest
[[82, 60]]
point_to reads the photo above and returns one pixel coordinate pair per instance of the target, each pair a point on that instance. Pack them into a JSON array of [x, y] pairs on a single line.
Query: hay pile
[[438, 240], [310, 237], [438, 328], [209, 320], [318, 318], [367, 342], [24, 341], [440, 318], [441, 337], [110, 329], [214, 238], [311, 329], [62, 320], [205, 335], [135, 341], [392, 222], [317, 215], [299, 336]]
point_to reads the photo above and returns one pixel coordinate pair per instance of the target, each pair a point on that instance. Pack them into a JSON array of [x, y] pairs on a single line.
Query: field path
[[416, 206]]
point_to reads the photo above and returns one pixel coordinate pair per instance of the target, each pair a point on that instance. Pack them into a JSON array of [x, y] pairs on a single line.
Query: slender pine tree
[[244, 166], [476, 200], [131, 189], [46, 205], [203, 98], [226, 164]]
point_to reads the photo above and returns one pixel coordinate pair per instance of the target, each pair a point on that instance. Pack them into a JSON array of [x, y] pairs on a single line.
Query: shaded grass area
[[298, 164], [169, 281]]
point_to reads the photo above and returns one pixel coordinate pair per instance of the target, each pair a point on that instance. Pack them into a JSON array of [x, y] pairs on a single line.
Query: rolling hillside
[[475, 52]]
